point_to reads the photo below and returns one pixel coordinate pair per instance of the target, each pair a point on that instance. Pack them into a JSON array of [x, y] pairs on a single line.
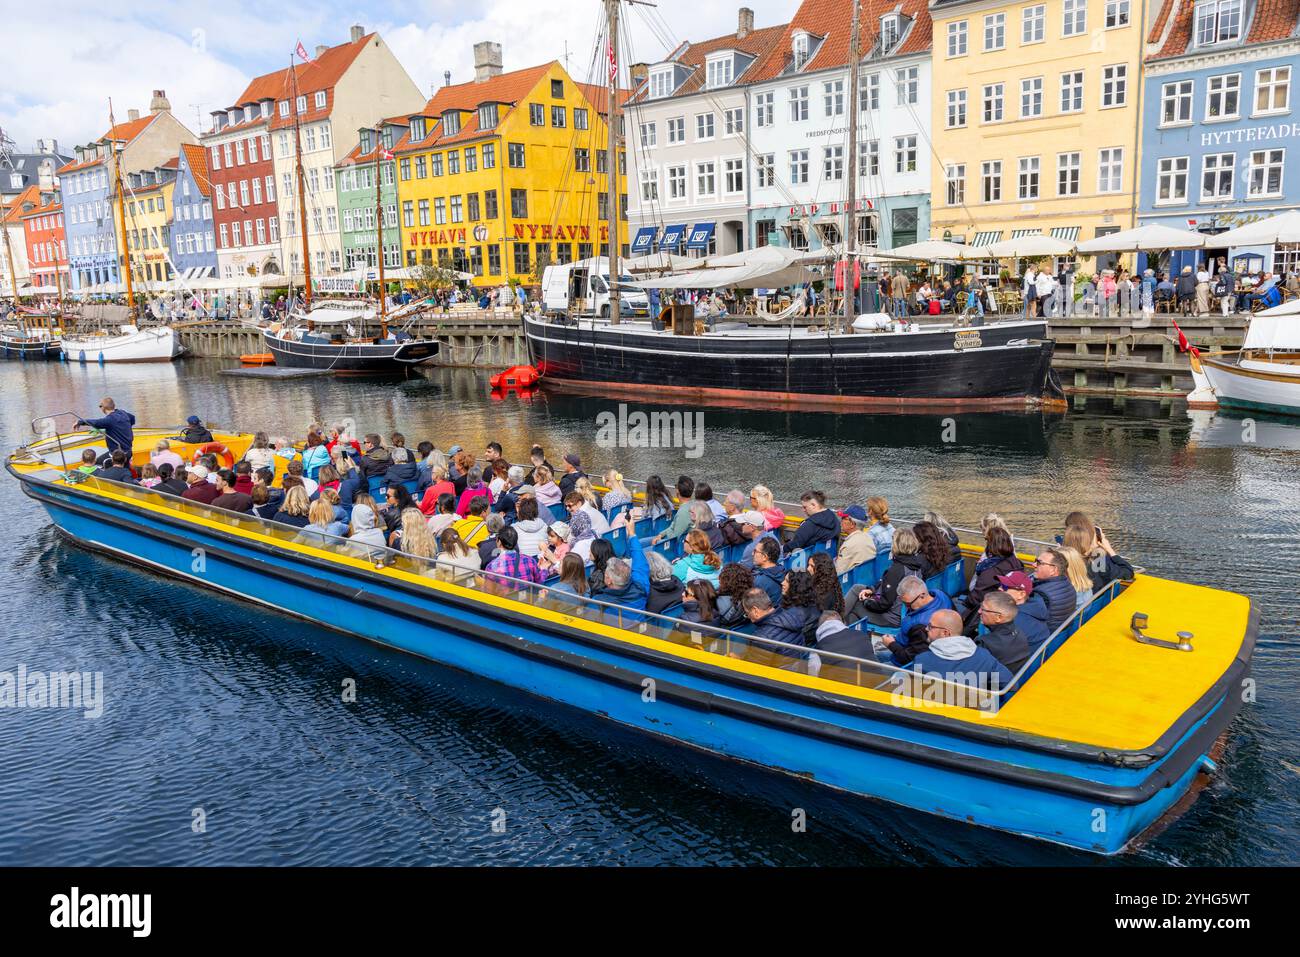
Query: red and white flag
[[613, 65], [385, 153], [302, 53]]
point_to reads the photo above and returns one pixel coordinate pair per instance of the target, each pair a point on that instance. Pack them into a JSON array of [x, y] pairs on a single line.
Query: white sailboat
[[1264, 376]]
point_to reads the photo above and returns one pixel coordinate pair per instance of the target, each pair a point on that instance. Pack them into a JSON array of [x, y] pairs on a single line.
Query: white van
[[582, 289]]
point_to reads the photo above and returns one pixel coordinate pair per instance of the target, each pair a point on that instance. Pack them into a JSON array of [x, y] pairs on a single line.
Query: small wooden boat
[[1264, 376], [257, 359], [1108, 727]]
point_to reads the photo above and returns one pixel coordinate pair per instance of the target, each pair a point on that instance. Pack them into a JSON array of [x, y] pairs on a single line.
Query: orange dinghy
[[257, 359], [516, 377]]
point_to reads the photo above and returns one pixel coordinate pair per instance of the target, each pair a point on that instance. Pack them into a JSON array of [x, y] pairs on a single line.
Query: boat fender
[[219, 450], [1208, 765]]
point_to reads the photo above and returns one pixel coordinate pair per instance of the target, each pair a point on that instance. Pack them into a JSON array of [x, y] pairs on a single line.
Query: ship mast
[[851, 211], [613, 114], [379, 222], [9, 251], [121, 212], [302, 187]]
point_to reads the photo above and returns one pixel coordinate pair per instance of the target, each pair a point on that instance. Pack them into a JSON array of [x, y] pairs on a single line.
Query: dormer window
[[800, 49], [451, 123], [320, 99], [661, 83], [488, 116], [248, 114], [720, 72], [266, 109], [367, 143], [284, 108], [418, 131], [234, 116], [891, 28], [1218, 21]]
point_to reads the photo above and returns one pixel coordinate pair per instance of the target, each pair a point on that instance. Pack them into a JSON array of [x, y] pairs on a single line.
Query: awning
[[645, 238], [701, 233], [1069, 233], [1022, 233], [987, 238], [672, 237]]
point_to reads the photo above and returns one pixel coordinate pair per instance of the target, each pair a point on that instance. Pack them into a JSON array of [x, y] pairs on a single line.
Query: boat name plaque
[[966, 339]]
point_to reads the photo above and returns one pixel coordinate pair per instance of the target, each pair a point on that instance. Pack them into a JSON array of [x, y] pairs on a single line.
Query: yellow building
[[502, 175], [1035, 118], [148, 207]]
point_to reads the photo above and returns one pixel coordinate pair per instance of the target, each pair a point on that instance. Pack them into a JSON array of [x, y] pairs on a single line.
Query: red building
[[244, 210], [47, 249]]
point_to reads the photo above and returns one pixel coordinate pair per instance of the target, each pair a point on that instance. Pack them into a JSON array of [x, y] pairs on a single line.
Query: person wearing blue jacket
[[1052, 583], [627, 583], [919, 607], [1031, 614], [786, 626], [820, 525], [953, 657], [117, 425], [768, 575]]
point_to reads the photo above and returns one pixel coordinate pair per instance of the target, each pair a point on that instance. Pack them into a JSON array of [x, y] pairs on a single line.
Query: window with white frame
[[1074, 19], [957, 38], [1110, 169], [1266, 173], [301, 104], [733, 121], [905, 154], [1273, 90], [890, 31], [649, 135], [833, 97], [956, 109], [995, 32], [661, 83], [705, 178], [800, 47], [320, 99], [1171, 179], [1072, 91], [991, 181], [764, 109], [765, 170], [1027, 184], [955, 176], [1176, 103], [1031, 97], [1218, 21], [719, 72], [869, 158], [677, 182], [677, 130], [1223, 97], [649, 186], [1114, 85], [733, 175], [798, 167], [1117, 13], [798, 104], [1218, 172], [1032, 22], [908, 81], [993, 97], [833, 163], [868, 92], [704, 129], [1068, 169]]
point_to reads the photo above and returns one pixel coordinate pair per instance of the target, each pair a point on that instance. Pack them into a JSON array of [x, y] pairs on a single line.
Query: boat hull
[[350, 357], [1041, 791], [149, 344], [30, 349], [1010, 368], [1253, 389]]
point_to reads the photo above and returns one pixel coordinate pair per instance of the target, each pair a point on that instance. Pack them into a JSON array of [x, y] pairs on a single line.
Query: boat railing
[[47, 427], [705, 639]]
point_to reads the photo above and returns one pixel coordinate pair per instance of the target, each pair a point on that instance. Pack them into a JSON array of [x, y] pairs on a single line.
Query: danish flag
[[385, 153], [613, 64], [302, 53]]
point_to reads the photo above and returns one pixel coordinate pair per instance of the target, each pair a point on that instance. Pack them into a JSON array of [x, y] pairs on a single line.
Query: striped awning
[[1068, 233], [987, 238], [1022, 233]]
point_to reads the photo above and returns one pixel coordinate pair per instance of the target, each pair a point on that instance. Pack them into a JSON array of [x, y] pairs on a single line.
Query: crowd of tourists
[[555, 532]]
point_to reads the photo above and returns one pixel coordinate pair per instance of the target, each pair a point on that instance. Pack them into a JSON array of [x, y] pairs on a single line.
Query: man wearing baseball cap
[[1031, 618], [572, 472], [753, 525], [857, 547], [194, 432]]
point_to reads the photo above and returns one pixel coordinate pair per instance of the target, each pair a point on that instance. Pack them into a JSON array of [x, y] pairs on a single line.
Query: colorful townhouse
[[147, 206], [193, 241], [688, 121], [19, 173], [360, 200], [46, 247], [1220, 131], [1035, 119], [245, 210], [799, 136], [502, 175], [89, 195], [342, 89]]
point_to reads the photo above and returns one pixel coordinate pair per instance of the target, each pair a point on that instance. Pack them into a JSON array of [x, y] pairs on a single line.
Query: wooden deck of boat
[[274, 372]]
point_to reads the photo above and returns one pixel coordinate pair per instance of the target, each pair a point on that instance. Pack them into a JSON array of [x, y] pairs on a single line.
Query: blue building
[[88, 218], [193, 242], [1220, 130]]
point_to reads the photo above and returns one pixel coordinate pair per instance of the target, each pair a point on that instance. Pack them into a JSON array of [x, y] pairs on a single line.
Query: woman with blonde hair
[[698, 561], [1104, 564], [760, 498], [618, 493], [1077, 572], [457, 562], [881, 529], [260, 455], [418, 541], [547, 492], [295, 508], [583, 488]]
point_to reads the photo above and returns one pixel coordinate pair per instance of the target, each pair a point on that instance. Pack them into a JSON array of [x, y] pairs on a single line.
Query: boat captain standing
[[117, 425]]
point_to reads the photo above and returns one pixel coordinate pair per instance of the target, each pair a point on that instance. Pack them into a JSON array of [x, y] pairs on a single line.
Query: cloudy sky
[[62, 68]]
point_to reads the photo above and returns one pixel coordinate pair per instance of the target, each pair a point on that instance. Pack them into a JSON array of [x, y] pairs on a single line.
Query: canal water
[[224, 739]]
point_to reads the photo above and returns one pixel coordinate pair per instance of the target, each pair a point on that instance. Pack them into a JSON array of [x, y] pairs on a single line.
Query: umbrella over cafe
[[1150, 237]]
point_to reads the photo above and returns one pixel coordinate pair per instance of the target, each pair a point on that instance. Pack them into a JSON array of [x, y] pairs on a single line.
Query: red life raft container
[[516, 377]]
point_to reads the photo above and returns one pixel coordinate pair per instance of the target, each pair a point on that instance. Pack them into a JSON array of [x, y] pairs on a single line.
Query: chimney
[[132, 115], [48, 147], [446, 78], [487, 61], [320, 49], [746, 23], [159, 103], [358, 31], [46, 176]]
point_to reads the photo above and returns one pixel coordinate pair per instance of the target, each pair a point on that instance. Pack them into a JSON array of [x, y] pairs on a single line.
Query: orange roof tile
[[322, 73], [758, 44], [1271, 21], [196, 158], [121, 133], [14, 211], [831, 20]]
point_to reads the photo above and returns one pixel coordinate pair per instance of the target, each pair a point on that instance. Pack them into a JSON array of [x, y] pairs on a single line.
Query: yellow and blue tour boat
[[1098, 739]]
